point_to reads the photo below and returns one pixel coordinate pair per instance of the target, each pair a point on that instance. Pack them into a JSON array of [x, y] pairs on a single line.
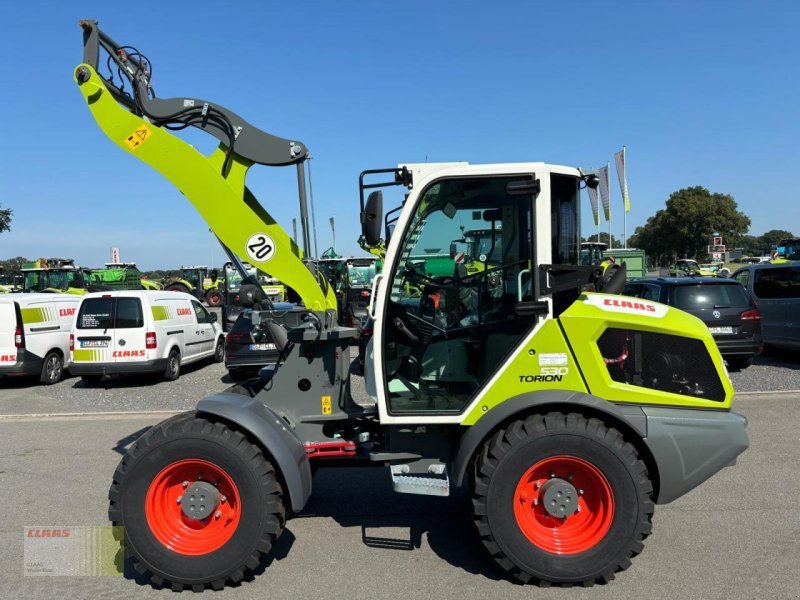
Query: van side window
[[200, 313], [743, 278], [777, 283], [129, 313], [96, 313]]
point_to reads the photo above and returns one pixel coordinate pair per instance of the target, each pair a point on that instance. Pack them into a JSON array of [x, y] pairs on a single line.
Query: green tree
[[773, 236], [684, 227], [5, 219], [13, 266]]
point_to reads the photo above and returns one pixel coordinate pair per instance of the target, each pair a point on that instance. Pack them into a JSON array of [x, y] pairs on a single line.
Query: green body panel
[[586, 320], [222, 200], [117, 279], [635, 260], [551, 367], [150, 285]]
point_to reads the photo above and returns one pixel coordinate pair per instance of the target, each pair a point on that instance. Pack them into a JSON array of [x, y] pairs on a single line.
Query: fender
[[633, 416], [269, 429]]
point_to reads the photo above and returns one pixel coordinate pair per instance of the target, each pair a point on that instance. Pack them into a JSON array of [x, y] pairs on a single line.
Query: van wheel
[[52, 369], [560, 498], [173, 368], [183, 544], [219, 351], [91, 379]]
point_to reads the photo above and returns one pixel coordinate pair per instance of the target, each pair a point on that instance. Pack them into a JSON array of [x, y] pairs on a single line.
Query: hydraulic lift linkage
[[140, 123]]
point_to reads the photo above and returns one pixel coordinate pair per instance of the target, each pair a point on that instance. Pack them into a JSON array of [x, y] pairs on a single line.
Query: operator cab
[[446, 328]]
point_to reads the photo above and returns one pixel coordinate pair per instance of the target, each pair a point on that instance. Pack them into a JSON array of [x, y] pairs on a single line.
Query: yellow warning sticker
[[327, 407], [139, 136]]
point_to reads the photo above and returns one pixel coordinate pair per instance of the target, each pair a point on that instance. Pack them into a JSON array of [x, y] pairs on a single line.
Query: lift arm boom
[[139, 124]]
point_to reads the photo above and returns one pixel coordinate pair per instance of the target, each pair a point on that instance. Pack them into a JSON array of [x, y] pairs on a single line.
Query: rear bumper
[[28, 364], [249, 362], [146, 366], [689, 446], [742, 347]]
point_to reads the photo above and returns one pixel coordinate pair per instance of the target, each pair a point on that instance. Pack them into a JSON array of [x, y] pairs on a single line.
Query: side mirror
[[371, 218], [212, 317], [452, 250], [213, 275]]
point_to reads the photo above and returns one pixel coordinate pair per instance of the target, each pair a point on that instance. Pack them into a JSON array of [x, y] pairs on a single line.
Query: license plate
[[721, 330], [94, 344], [261, 347]]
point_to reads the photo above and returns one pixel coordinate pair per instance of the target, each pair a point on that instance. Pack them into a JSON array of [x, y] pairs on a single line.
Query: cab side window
[[743, 278], [200, 313]]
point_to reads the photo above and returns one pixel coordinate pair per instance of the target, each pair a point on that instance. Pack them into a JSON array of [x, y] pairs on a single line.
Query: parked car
[[723, 304], [34, 335], [249, 345], [123, 332], [776, 290]]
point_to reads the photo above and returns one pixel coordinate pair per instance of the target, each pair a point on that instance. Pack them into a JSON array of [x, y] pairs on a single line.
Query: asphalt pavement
[[736, 536]]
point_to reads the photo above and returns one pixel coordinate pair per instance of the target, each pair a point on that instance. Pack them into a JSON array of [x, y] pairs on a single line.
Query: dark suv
[[722, 304]]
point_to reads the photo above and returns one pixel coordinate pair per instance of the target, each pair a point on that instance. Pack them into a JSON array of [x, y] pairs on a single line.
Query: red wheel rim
[[176, 531], [578, 532]]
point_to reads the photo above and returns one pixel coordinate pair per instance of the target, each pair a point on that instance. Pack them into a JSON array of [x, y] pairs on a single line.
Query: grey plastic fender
[[268, 428], [633, 416]]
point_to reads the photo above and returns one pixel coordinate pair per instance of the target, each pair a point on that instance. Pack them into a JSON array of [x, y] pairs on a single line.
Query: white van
[[34, 334], [146, 331]]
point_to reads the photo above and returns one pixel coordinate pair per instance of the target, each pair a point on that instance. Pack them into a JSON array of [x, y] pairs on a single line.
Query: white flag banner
[[593, 200], [605, 191], [619, 158]]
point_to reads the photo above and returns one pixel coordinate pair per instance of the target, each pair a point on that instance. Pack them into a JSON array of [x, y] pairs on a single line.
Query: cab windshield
[[361, 274], [32, 282], [234, 279]]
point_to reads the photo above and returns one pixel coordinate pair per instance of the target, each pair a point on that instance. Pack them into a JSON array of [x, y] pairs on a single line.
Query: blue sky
[[702, 93]]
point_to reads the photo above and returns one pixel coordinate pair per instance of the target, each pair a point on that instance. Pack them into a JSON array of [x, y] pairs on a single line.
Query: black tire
[[178, 287], [263, 513], [507, 456], [52, 368], [214, 298], [91, 379], [173, 369], [219, 351], [738, 363]]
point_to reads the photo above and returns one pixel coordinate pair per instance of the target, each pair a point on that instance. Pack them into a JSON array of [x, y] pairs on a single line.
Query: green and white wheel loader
[[567, 414]]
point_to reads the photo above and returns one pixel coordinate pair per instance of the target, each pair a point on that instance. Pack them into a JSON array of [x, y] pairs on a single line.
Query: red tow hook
[[328, 449]]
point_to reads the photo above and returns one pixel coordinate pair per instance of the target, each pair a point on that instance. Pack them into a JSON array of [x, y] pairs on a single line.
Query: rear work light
[[150, 340], [71, 342], [751, 315]]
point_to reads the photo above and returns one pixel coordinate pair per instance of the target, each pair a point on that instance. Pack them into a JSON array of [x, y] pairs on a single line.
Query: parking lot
[[737, 536]]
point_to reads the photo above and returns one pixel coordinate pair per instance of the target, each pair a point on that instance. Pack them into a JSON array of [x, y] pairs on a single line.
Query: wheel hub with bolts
[[559, 498], [200, 500]]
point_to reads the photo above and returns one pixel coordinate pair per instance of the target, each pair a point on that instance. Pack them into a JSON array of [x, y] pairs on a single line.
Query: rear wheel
[[173, 369], [214, 298], [52, 368], [219, 351], [737, 363], [201, 505], [562, 499]]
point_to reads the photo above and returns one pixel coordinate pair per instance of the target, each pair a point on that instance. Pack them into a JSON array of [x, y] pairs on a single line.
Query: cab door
[[204, 331], [443, 337]]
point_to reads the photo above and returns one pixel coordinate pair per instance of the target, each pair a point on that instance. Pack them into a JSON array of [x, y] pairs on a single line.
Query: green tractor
[[10, 284], [119, 276], [54, 275], [201, 282], [688, 267]]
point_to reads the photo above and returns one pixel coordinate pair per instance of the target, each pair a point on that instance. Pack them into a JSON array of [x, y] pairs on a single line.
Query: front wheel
[[201, 505], [219, 351], [173, 369], [562, 499]]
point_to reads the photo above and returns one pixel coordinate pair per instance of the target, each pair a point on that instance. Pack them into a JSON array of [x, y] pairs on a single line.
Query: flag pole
[[610, 245], [624, 212]]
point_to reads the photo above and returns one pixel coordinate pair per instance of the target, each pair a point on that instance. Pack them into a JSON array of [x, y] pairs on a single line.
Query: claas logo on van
[[628, 304], [184, 311], [127, 353], [66, 312]]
